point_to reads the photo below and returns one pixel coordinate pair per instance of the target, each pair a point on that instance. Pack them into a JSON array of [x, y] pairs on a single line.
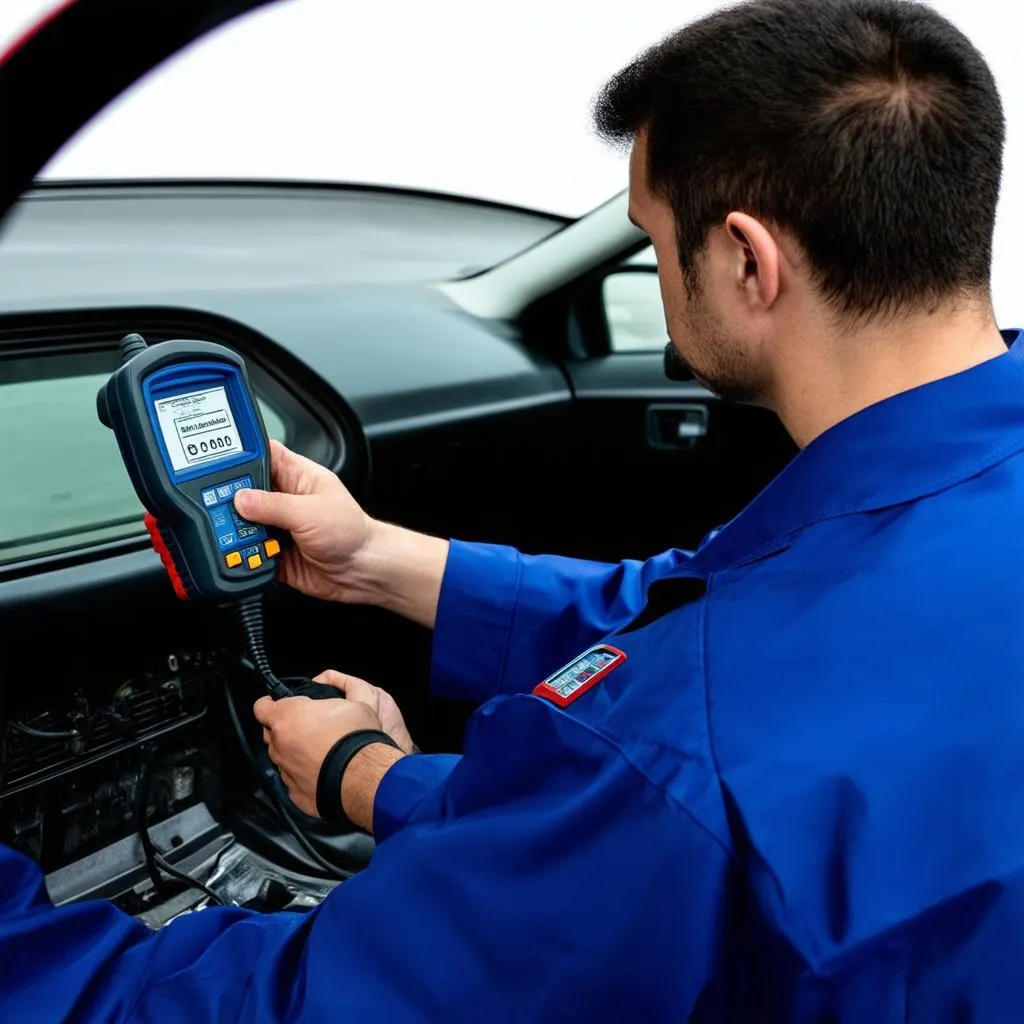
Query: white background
[[456, 95]]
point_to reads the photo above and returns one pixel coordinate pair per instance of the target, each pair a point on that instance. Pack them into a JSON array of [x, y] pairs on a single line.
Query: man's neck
[[851, 371]]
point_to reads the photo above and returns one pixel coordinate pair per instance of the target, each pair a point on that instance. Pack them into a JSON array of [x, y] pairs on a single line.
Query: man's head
[[802, 163]]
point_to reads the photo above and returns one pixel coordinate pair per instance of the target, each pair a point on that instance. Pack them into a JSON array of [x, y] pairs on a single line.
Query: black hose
[[43, 734], [181, 876], [155, 861], [142, 817]]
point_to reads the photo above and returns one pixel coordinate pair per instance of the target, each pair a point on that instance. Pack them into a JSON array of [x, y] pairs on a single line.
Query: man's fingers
[[352, 686], [264, 710], [331, 678], [273, 508], [266, 736], [338, 680], [289, 566], [294, 477], [291, 472]]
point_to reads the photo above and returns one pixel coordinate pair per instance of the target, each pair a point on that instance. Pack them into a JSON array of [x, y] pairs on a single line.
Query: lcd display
[[198, 428]]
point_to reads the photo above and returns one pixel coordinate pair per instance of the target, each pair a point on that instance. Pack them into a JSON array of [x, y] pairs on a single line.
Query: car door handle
[[676, 427]]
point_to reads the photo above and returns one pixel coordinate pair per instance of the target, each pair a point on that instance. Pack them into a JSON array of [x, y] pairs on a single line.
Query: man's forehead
[[638, 209], [639, 194], [638, 157]]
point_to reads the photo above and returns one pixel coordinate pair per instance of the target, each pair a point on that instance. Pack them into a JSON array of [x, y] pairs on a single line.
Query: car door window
[[633, 310], [64, 484]]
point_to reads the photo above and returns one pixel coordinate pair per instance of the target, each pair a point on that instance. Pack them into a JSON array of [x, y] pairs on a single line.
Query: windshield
[[455, 96], [447, 96]]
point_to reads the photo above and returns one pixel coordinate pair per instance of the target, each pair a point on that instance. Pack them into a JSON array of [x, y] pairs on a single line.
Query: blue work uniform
[[785, 783]]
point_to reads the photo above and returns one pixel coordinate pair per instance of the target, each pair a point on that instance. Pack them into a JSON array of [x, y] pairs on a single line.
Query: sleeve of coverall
[[542, 881], [505, 620]]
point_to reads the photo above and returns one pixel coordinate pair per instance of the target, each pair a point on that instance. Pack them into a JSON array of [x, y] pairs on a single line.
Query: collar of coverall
[[896, 451]]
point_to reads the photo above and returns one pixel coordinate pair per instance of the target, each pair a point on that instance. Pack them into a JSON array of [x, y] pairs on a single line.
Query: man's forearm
[[401, 571], [361, 780]]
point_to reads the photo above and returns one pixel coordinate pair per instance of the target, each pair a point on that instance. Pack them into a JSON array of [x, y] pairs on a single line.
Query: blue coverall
[[799, 797]]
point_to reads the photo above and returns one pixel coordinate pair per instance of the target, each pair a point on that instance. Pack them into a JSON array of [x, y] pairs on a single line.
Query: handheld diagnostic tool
[[191, 436]]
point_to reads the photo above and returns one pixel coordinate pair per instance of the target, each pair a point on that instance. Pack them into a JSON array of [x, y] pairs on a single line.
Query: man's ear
[[757, 259]]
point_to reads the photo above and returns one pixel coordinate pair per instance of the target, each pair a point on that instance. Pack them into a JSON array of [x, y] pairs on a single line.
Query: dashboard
[[340, 279], [117, 704]]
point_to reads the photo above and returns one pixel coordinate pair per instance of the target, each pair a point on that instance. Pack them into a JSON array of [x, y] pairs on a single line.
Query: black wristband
[[328, 782]]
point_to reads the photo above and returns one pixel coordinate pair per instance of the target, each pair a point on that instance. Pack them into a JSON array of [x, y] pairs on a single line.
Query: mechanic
[[778, 778]]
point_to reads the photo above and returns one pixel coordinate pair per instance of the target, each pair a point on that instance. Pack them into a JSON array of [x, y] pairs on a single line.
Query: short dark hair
[[871, 130]]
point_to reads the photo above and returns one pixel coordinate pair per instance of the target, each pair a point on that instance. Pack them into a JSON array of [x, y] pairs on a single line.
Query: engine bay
[[154, 793]]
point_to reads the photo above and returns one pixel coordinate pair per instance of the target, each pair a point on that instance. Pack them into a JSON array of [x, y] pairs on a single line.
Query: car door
[[650, 463]]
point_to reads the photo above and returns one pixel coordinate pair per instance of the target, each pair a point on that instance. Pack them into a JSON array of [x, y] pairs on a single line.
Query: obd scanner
[[191, 436]]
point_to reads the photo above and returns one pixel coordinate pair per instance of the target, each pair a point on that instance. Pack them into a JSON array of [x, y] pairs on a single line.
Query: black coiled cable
[[249, 614]]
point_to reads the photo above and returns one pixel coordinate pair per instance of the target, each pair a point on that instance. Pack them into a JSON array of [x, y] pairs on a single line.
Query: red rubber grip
[[160, 547]]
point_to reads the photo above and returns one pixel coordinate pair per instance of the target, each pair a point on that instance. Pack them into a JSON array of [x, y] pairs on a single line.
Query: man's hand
[[379, 701], [325, 521], [340, 553], [300, 732]]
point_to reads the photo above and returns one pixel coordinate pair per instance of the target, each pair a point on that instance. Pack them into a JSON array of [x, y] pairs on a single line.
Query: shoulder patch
[[585, 671]]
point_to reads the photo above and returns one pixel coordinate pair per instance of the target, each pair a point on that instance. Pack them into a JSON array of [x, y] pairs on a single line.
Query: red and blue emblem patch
[[571, 682]]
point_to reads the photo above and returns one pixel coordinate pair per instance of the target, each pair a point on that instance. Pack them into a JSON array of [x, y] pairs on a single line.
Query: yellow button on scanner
[[272, 547], [254, 561], [233, 558]]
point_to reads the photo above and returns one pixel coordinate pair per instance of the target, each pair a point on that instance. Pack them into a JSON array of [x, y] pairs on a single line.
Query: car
[[467, 368]]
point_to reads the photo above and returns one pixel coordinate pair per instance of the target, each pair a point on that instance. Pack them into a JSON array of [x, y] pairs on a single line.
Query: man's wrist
[[362, 778], [356, 581], [371, 567], [399, 570]]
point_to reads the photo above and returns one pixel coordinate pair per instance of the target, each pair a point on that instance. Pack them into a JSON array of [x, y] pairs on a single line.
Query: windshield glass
[[455, 96]]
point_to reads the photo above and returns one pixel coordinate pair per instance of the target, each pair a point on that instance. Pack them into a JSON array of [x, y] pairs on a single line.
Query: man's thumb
[[271, 508]]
